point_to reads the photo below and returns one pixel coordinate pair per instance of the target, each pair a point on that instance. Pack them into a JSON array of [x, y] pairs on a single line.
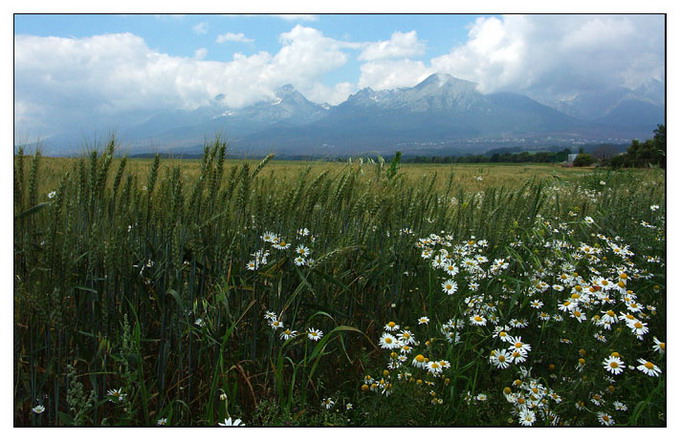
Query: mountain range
[[440, 115]]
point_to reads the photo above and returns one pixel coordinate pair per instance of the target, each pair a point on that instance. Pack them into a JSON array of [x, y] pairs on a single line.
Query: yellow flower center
[[391, 324], [614, 364], [420, 358], [649, 365], [638, 325]]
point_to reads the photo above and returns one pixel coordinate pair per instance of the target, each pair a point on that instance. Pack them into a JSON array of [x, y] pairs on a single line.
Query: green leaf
[[32, 210]]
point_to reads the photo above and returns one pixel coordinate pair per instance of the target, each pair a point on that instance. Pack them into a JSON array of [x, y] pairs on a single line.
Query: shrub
[[583, 160]]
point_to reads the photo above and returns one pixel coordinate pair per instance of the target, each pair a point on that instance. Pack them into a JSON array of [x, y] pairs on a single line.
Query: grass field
[[195, 293]]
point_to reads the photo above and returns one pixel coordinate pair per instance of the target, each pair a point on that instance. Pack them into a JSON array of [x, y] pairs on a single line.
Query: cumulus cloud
[[65, 81], [390, 74], [320, 93], [398, 46], [306, 54], [229, 36], [549, 57]]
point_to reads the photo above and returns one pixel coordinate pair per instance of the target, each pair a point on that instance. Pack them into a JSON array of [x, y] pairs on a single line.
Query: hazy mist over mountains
[[440, 115]]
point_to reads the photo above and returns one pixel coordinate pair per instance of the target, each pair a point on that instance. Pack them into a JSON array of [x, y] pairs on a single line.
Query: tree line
[[650, 153]]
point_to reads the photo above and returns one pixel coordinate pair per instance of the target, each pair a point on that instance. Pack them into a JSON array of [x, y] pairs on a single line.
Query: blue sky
[[109, 69]]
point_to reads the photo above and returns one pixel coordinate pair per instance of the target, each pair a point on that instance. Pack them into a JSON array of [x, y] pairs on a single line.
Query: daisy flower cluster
[[301, 253], [286, 333], [554, 291], [405, 363], [579, 290], [532, 400], [465, 268]]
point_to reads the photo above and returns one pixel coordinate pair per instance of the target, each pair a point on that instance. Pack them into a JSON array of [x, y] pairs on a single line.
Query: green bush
[[583, 160]]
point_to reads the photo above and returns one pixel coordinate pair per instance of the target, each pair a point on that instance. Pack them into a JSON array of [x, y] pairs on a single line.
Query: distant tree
[[651, 153], [660, 144], [583, 160], [619, 161], [562, 155]]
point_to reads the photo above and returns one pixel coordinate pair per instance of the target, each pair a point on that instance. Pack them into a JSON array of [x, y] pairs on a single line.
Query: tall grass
[[138, 282]]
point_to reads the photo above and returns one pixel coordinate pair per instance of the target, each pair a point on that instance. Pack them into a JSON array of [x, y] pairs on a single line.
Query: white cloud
[[63, 82], [320, 93], [399, 45], [390, 74], [306, 54], [200, 28], [552, 56], [229, 36]]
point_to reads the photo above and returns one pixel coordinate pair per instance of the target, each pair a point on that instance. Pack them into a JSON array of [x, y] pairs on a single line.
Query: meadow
[[363, 293]]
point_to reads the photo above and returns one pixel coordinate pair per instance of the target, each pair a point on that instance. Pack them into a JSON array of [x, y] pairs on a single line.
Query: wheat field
[[359, 293]]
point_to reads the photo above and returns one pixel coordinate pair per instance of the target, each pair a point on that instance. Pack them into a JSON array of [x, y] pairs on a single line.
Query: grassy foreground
[[194, 293]]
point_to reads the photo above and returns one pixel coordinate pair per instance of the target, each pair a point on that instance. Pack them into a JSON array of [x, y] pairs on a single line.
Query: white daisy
[[614, 365], [388, 341], [450, 287], [648, 368], [314, 334]]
